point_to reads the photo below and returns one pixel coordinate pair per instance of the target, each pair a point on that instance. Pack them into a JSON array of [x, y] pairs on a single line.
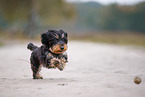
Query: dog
[[51, 54]]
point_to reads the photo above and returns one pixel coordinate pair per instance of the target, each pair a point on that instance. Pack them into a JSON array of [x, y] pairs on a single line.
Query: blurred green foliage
[[28, 16], [31, 17], [114, 17]]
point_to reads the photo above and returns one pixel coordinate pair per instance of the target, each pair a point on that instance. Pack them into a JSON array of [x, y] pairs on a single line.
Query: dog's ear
[[45, 38], [65, 33]]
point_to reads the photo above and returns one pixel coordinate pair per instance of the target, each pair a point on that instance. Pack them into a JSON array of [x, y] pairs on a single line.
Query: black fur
[[39, 56], [31, 46], [48, 38]]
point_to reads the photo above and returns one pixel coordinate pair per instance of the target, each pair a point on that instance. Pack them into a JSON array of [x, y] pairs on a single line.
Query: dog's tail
[[31, 46]]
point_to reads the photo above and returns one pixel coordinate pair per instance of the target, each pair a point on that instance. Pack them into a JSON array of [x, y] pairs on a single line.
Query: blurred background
[[105, 21], [94, 69]]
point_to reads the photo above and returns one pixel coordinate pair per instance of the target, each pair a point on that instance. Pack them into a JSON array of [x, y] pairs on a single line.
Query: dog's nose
[[62, 48]]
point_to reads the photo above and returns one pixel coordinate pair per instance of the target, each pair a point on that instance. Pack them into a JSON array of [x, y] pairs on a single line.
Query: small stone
[[137, 80]]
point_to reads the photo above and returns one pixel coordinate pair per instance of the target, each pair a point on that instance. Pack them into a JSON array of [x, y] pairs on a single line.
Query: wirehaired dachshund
[[51, 54]]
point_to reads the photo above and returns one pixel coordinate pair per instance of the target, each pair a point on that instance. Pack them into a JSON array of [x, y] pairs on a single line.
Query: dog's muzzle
[[58, 49]]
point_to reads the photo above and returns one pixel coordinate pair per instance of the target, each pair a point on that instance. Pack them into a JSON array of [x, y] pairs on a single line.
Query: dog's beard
[[57, 49]]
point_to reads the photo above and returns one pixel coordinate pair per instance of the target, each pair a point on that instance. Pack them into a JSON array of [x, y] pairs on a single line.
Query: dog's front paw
[[60, 67], [58, 64], [55, 62]]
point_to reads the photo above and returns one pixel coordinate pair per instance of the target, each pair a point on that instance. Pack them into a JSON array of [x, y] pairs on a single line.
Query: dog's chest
[[58, 61]]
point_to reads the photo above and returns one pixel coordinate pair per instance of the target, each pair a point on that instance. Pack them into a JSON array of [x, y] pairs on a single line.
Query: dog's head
[[55, 40]]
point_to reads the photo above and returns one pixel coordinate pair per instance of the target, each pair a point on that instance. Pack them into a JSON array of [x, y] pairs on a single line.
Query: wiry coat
[[51, 54]]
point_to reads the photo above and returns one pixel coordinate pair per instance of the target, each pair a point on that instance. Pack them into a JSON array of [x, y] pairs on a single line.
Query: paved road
[[94, 70]]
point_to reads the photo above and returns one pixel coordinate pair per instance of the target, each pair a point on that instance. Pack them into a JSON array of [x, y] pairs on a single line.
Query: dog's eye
[[64, 39]]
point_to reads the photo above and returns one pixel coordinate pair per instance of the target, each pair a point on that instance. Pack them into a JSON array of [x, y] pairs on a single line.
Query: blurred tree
[[34, 12], [15, 10], [87, 15], [53, 11], [111, 18], [137, 21], [123, 18]]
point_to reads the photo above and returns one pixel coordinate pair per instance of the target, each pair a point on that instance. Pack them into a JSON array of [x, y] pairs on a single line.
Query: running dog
[[51, 54]]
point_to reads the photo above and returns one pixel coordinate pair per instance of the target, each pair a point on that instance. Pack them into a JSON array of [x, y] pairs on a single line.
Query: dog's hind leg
[[35, 65], [36, 69]]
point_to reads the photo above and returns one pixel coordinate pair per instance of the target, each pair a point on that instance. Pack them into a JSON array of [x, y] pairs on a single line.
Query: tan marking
[[62, 64], [53, 61], [37, 74], [56, 49]]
